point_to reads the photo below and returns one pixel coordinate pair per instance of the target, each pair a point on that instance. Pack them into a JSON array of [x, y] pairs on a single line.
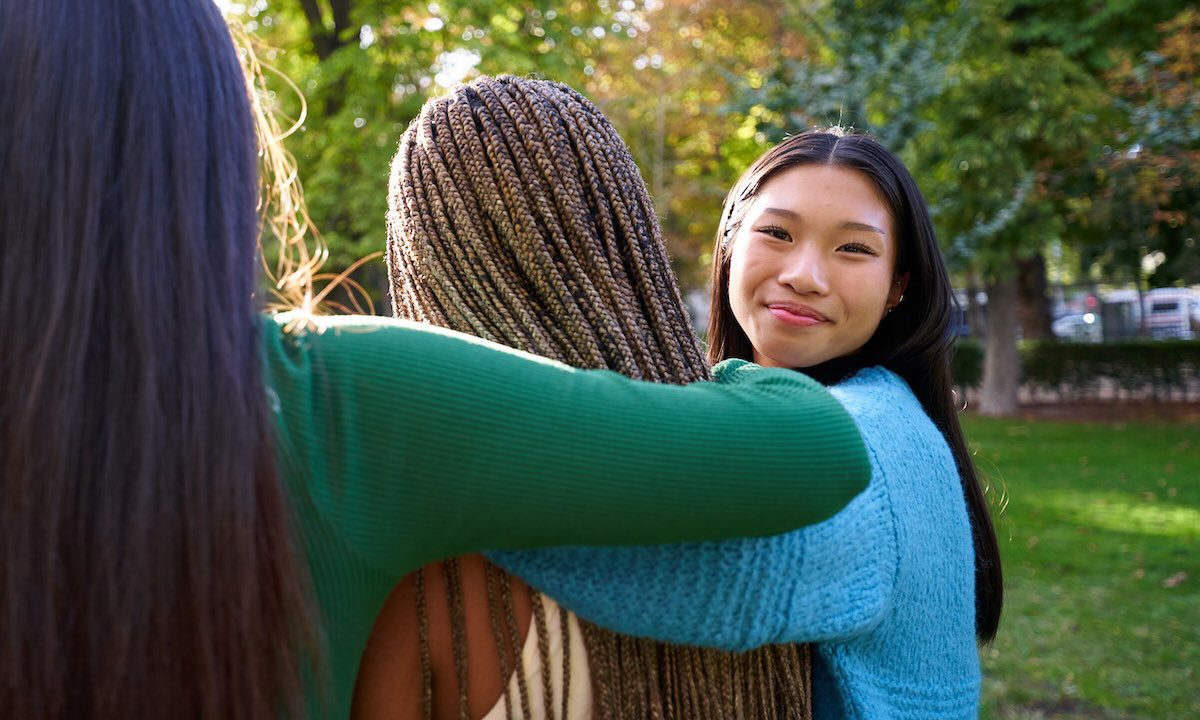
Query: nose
[[804, 270]]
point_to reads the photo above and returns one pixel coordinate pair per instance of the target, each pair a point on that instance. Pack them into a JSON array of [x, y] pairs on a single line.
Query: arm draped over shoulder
[[415, 444], [829, 581]]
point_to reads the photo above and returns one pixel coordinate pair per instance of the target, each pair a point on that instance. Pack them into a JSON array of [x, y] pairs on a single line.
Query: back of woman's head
[[147, 568], [517, 214], [914, 339]]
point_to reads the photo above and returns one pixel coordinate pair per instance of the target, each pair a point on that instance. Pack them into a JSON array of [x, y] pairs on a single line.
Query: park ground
[[1099, 524]]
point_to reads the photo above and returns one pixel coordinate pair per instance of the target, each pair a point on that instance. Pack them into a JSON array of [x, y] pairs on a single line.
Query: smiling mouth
[[796, 315]]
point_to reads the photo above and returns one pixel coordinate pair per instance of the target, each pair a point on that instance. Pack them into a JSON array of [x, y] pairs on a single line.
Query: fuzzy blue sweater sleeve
[[834, 580]]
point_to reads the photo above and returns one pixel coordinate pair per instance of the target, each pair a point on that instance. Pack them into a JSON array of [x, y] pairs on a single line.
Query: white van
[[1173, 313]]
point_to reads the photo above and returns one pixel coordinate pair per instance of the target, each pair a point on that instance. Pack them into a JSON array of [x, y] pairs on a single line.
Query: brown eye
[[857, 248], [774, 231]]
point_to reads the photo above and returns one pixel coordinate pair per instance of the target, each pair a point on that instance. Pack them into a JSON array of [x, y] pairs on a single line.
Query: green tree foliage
[[1088, 32], [365, 67], [1142, 196]]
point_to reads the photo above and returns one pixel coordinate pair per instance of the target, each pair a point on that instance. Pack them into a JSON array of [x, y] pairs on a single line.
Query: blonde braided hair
[[516, 213]]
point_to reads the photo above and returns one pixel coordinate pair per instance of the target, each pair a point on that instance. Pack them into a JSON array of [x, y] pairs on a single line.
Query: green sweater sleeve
[[417, 444]]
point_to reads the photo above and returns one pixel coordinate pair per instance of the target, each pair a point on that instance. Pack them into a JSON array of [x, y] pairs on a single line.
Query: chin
[[791, 352], [809, 362], [798, 362]]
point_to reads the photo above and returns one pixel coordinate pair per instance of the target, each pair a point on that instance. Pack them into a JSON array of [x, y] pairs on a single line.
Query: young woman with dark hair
[[826, 262], [201, 512], [913, 339]]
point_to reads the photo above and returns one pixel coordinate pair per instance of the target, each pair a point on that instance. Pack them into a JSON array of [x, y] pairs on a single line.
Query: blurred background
[[1058, 145]]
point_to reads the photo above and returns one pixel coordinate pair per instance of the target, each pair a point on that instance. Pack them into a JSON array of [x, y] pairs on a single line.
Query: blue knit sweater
[[885, 588]]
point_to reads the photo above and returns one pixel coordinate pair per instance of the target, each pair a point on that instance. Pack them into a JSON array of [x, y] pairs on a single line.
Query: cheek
[[869, 291], [869, 308], [741, 287], [877, 302]]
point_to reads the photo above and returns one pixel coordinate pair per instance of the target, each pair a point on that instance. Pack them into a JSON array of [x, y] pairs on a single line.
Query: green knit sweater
[[402, 444]]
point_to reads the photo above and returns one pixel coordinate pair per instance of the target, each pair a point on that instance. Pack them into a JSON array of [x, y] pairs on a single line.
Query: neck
[[832, 372]]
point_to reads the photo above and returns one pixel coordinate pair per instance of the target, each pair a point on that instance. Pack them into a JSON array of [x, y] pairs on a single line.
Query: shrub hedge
[[1158, 369]]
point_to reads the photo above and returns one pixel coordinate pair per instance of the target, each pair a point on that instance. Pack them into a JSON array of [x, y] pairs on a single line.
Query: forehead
[[825, 193]]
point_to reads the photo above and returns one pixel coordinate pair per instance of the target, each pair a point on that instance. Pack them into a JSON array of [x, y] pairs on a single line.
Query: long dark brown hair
[[913, 340], [148, 569]]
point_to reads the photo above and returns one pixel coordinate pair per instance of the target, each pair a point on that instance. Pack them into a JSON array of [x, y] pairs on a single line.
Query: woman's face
[[811, 267]]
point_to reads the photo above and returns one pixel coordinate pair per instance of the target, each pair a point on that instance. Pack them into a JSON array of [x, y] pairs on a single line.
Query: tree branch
[[326, 41], [312, 13], [341, 17]]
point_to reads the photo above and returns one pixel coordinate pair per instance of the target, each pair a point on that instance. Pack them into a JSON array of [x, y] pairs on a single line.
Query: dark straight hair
[[148, 568], [913, 340]]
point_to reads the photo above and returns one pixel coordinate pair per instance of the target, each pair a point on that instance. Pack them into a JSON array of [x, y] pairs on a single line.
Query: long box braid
[[517, 214]]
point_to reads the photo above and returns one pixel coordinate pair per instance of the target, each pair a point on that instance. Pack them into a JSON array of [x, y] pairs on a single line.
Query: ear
[[897, 290]]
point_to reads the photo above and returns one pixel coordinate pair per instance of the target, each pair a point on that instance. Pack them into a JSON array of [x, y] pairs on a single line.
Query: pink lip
[[796, 315]]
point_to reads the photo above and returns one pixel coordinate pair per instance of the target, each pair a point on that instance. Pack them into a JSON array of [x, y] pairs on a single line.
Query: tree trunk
[[1034, 306], [326, 41], [1001, 363]]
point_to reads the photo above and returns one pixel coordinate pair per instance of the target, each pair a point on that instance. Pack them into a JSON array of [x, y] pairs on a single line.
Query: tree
[[365, 67], [1094, 37], [1028, 107], [1143, 213]]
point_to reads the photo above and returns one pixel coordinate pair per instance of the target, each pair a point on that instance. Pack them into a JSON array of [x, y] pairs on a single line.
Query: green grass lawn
[[1099, 537]]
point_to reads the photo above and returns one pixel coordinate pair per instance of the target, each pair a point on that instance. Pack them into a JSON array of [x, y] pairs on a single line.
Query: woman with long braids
[[203, 508], [518, 214], [826, 262]]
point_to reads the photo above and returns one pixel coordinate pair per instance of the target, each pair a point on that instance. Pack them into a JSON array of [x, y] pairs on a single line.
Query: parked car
[[1083, 327]]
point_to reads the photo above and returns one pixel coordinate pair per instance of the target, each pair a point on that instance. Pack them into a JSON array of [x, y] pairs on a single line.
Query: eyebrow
[[851, 225], [848, 225]]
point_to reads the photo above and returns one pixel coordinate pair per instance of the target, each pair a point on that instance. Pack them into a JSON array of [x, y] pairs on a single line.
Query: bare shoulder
[[461, 604]]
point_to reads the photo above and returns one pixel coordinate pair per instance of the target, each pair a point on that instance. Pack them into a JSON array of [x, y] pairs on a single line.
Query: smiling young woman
[[812, 270], [845, 195]]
